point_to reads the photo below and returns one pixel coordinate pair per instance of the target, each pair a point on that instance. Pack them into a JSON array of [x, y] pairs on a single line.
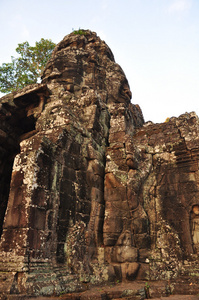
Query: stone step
[[186, 289], [185, 284], [126, 291], [55, 283]]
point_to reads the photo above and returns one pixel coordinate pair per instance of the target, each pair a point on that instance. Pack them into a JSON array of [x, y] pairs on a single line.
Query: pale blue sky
[[156, 42]]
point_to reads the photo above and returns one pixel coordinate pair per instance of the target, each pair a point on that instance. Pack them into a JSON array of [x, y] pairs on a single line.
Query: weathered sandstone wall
[[89, 192]]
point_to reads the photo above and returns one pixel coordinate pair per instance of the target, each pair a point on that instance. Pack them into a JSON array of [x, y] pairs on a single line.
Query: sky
[[156, 42]]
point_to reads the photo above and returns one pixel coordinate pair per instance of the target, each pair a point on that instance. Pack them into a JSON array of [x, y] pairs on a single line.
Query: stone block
[[16, 212], [111, 181], [142, 240], [113, 224], [96, 167], [79, 217], [94, 180], [39, 197], [144, 255], [122, 165], [37, 218], [67, 188], [140, 225], [14, 238], [71, 161], [111, 273], [75, 148], [34, 239], [95, 153], [121, 254], [116, 154], [62, 227], [44, 163], [17, 178], [117, 136], [83, 207], [118, 271], [96, 195], [82, 191], [118, 209], [69, 174], [110, 238], [115, 194], [67, 203], [143, 272], [129, 270]]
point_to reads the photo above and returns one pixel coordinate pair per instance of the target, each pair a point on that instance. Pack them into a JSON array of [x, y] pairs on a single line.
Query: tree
[[27, 68]]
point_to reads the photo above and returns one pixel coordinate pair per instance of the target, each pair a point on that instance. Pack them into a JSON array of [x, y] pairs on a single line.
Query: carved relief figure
[[195, 227]]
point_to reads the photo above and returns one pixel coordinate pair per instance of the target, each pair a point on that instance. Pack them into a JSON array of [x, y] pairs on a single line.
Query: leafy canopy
[[27, 68]]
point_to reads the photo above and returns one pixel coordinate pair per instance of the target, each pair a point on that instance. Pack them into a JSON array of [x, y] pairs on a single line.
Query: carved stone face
[[117, 84], [89, 64], [195, 209]]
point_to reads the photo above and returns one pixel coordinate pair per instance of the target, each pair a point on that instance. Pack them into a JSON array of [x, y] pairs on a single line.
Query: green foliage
[[147, 290], [27, 68], [79, 31]]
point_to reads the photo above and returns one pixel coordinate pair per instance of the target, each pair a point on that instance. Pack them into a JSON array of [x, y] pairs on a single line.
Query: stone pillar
[[9, 146]]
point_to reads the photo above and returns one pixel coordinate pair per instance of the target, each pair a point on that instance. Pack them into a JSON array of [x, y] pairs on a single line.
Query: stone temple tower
[[89, 192]]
